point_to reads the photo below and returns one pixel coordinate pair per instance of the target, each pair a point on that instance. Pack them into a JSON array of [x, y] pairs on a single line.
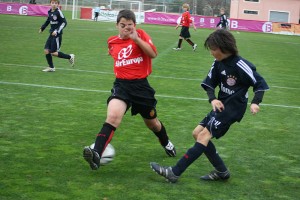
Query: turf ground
[[47, 118]]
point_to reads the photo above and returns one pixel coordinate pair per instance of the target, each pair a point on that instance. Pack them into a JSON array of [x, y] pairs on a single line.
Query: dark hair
[[223, 40], [127, 14]]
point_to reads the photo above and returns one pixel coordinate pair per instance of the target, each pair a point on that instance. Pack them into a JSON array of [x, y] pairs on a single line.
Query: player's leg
[[145, 105], [159, 130], [59, 54], [214, 158], [173, 173], [191, 43], [220, 171], [47, 50], [115, 112], [178, 48]]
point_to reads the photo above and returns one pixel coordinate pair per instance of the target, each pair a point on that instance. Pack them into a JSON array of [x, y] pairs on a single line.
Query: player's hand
[[195, 28], [54, 33], [40, 31], [217, 105], [133, 34], [254, 108]]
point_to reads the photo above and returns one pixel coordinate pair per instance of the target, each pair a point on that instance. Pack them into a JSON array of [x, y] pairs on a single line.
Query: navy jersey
[[234, 75], [57, 21], [223, 21]]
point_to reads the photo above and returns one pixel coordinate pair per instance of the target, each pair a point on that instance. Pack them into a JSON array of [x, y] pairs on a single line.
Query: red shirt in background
[[186, 19]]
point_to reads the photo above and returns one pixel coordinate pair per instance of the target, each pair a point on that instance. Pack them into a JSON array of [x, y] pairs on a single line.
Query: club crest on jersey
[[54, 17], [152, 113], [231, 80]]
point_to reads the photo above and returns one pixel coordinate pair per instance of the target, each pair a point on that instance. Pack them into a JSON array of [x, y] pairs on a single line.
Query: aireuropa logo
[[125, 52], [23, 10]]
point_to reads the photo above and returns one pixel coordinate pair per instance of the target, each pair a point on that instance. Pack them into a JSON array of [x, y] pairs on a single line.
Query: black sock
[[104, 137], [214, 158], [49, 60], [162, 136], [191, 155], [190, 42], [62, 55], [179, 43]]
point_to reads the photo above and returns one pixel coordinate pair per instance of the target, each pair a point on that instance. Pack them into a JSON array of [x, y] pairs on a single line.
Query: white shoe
[[49, 69], [72, 60], [194, 47], [177, 49]]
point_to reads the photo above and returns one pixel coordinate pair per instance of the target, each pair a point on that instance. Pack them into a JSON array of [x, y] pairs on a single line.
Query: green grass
[[47, 118]]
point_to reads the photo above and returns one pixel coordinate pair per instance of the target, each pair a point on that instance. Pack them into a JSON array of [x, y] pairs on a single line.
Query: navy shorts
[[217, 123], [53, 43], [185, 33], [137, 94]]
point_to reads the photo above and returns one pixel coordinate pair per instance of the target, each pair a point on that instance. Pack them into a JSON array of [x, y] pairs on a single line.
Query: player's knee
[[54, 53], [204, 136], [113, 119], [195, 134], [46, 51]]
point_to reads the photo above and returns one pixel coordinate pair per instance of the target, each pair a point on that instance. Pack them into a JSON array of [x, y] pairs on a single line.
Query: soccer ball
[[108, 154]]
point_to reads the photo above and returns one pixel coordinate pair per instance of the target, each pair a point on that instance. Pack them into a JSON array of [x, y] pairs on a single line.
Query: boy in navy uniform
[[223, 19], [57, 22], [233, 75]]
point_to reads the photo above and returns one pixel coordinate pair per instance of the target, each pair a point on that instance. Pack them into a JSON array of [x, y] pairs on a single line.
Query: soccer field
[[47, 118]]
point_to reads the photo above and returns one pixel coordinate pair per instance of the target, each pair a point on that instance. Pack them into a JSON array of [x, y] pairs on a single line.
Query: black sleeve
[[258, 96], [45, 24], [211, 94]]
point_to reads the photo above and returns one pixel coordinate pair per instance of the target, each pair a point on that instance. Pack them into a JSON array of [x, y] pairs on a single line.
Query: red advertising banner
[[24, 9]]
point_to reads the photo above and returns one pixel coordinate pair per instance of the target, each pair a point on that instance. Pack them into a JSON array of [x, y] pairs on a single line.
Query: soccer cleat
[[72, 60], [49, 69], [165, 172], [170, 149], [195, 47], [177, 49], [216, 175], [92, 157]]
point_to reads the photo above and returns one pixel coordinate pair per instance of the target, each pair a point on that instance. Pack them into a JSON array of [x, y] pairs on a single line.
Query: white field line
[[106, 91], [153, 76]]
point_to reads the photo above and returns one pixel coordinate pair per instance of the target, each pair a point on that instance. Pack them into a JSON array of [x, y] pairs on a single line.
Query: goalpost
[[109, 9]]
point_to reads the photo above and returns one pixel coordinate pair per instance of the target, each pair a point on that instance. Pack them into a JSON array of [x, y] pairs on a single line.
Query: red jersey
[[186, 19], [130, 62]]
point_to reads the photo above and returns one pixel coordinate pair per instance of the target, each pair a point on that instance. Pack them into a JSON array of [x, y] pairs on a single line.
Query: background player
[[185, 22], [223, 19], [233, 75], [52, 47], [132, 51]]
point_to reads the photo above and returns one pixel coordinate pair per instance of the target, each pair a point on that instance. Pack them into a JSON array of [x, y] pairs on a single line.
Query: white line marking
[[154, 76], [106, 91]]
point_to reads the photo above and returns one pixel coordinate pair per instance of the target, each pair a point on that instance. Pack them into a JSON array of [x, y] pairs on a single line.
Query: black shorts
[[185, 33], [53, 43], [217, 123], [137, 94], [96, 14]]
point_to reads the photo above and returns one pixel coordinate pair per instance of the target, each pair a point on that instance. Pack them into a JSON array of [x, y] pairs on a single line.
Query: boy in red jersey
[[185, 23], [132, 51]]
